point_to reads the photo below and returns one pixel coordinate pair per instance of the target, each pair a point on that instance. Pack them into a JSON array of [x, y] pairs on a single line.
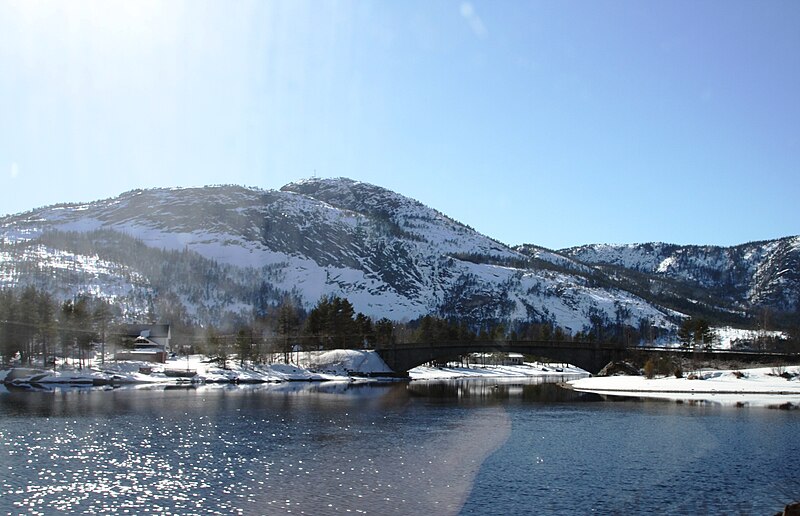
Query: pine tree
[[702, 333], [28, 317], [287, 325], [101, 318], [83, 329], [685, 332], [244, 344], [384, 332], [426, 331], [9, 341], [48, 330], [366, 333]]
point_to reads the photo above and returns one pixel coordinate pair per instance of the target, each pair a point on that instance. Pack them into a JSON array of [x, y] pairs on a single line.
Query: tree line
[[332, 323], [35, 327]]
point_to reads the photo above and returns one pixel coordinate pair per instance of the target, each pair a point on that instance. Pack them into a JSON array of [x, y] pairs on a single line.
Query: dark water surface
[[469, 447]]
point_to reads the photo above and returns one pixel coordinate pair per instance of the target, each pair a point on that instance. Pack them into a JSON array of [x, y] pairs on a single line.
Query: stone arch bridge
[[592, 357]]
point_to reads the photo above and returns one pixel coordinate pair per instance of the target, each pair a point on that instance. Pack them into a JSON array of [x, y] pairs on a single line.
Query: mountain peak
[[227, 249], [351, 195]]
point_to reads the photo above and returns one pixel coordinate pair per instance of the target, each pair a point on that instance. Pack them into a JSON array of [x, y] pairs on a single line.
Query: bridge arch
[[589, 356]]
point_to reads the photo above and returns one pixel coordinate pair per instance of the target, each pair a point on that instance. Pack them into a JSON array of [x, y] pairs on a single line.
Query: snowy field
[[763, 387]]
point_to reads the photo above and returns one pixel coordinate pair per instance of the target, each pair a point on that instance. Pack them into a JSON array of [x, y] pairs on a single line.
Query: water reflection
[[536, 390]]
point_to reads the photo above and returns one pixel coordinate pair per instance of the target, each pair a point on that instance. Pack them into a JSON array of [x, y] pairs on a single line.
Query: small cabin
[[514, 359], [158, 334], [150, 343]]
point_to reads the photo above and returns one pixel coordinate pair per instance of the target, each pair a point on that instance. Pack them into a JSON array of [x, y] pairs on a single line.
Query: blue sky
[[553, 123]]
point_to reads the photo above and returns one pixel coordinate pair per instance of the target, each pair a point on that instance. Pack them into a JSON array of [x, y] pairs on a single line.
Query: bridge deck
[[590, 356]]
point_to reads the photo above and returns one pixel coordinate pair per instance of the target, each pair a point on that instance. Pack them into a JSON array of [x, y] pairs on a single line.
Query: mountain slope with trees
[[743, 281], [228, 256]]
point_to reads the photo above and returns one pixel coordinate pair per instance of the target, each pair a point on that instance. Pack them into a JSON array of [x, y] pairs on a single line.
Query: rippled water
[[473, 447], [248, 450]]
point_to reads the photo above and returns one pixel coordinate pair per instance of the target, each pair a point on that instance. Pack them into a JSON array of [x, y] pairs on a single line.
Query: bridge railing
[[509, 345], [502, 344]]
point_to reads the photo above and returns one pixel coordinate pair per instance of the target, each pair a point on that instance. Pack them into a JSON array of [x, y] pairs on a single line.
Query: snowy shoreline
[[763, 387], [322, 366]]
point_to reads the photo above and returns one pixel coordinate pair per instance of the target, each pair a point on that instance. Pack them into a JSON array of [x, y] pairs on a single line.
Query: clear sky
[[557, 123]]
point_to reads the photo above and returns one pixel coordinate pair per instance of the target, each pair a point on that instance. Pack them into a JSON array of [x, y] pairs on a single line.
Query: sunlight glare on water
[[245, 452]]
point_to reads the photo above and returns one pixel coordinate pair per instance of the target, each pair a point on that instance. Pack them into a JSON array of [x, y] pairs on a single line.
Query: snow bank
[[535, 369], [757, 387]]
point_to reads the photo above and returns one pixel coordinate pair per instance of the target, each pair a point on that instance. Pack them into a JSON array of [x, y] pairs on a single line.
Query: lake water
[[468, 447]]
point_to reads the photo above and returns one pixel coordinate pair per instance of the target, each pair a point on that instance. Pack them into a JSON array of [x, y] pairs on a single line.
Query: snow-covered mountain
[[747, 276], [227, 251]]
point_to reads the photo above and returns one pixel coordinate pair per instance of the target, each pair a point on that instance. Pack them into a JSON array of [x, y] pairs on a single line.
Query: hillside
[[743, 278], [218, 253]]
